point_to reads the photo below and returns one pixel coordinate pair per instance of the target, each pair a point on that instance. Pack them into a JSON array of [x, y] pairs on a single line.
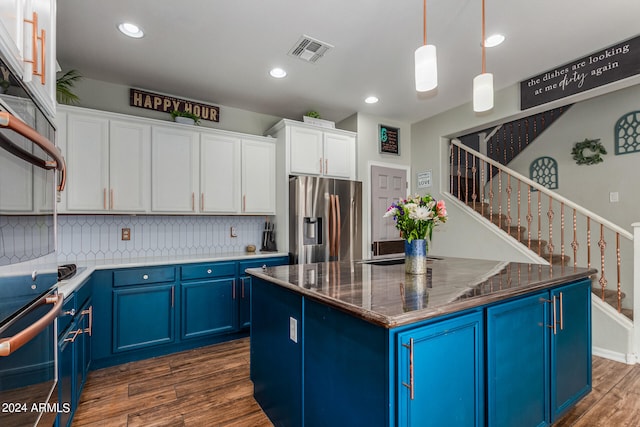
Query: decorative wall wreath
[[592, 145]]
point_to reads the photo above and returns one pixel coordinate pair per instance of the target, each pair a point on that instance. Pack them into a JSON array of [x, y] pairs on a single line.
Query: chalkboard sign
[[389, 138], [606, 66]]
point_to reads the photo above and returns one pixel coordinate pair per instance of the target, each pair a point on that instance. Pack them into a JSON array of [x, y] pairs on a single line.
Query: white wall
[[113, 97], [368, 153]]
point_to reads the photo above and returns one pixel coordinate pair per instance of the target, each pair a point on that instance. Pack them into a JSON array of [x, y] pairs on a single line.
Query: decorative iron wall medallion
[[544, 171], [627, 133]]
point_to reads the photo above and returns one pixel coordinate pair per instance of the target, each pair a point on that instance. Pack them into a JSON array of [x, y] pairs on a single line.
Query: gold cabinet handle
[[554, 323], [244, 203], [75, 335], [561, 313], [111, 199], [43, 55], [320, 164], [104, 198], [410, 386], [34, 42], [89, 311], [326, 165]]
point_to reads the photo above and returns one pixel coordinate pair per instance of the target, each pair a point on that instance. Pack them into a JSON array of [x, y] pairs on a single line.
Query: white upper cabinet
[[258, 177], [311, 150], [339, 155], [174, 170], [87, 163], [107, 162], [129, 157], [219, 173], [12, 33], [306, 151], [121, 164]]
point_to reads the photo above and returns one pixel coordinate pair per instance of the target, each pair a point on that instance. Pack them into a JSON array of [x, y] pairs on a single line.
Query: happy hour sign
[[606, 66]]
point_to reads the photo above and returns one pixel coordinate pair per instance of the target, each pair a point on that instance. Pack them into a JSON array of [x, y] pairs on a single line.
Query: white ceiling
[[220, 51]]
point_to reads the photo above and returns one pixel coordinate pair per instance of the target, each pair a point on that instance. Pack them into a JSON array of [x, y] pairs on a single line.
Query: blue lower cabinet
[[207, 307], [143, 316], [441, 373], [276, 352], [244, 302], [570, 347], [539, 355], [518, 362], [65, 380]]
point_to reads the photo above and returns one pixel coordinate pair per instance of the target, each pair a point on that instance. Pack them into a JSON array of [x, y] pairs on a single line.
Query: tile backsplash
[[98, 237]]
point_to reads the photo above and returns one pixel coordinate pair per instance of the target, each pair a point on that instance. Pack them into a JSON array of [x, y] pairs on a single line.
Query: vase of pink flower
[[416, 218]]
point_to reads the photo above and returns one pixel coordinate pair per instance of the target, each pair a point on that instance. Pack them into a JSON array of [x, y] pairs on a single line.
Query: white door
[[339, 151], [258, 177], [306, 151], [129, 171], [87, 163], [220, 174], [174, 170], [388, 185]]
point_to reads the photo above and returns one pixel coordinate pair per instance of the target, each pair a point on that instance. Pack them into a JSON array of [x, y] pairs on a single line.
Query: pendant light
[[425, 60], [483, 83]]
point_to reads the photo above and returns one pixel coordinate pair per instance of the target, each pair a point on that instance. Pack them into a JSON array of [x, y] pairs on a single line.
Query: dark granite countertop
[[385, 295]]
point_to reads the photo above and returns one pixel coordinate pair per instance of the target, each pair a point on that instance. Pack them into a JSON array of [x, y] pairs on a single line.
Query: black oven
[[29, 302]]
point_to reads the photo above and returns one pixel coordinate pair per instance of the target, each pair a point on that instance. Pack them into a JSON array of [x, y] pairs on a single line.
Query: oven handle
[[12, 122], [10, 345]]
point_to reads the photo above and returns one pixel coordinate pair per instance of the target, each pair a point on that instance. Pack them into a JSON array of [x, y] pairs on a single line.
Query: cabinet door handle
[[233, 289], [326, 165], [104, 198], [561, 313], [172, 295], [410, 385], [75, 335], [34, 46], [193, 202], [202, 202], [320, 164], [244, 203], [89, 311], [111, 199], [242, 287], [554, 322]]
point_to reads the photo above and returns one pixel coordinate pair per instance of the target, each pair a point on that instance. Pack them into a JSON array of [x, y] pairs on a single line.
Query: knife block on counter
[[268, 241]]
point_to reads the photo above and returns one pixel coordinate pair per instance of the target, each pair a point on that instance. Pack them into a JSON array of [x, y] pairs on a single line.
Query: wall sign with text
[[166, 104], [600, 68], [389, 139]]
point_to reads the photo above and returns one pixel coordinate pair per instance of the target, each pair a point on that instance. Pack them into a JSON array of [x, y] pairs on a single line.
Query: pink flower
[[442, 209]]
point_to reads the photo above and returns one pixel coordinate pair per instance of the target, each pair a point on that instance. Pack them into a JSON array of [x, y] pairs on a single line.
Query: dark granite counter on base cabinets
[[472, 342]]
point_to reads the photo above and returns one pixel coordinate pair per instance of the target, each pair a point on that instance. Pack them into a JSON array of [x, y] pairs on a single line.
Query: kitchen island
[[472, 342]]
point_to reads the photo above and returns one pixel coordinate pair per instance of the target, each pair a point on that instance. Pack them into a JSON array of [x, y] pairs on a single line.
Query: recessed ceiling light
[[371, 99], [278, 73], [131, 30], [493, 40]]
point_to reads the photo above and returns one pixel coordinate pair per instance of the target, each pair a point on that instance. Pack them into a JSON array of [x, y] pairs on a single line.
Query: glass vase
[[415, 254]]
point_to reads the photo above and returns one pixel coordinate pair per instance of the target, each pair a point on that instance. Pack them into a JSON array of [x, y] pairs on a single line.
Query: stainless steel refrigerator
[[325, 219]]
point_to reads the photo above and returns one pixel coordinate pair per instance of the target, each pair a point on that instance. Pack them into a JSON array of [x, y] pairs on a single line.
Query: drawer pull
[[75, 335], [145, 276], [209, 271], [71, 312], [89, 311], [410, 386]]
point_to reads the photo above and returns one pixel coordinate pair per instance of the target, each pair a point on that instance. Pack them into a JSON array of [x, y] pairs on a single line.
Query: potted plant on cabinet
[[185, 117]]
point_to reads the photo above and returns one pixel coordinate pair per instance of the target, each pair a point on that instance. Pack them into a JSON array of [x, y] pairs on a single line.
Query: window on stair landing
[[544, 171], [627, 133]]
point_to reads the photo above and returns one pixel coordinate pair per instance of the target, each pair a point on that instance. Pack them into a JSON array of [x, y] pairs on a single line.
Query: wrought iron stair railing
[[555, 228]]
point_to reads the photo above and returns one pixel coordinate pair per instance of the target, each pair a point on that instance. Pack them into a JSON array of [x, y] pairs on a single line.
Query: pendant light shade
[[426, 68], [483, 83], [425, 60], [483, 92]]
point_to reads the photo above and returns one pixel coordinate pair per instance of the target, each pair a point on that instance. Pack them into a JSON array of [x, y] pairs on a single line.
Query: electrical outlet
[[613, 197], [234, 232], [293, 329], [126, 234]]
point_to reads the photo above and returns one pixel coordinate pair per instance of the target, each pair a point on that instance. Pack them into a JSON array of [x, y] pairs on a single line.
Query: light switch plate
[[614, 197], [293, 329], [234, 232]]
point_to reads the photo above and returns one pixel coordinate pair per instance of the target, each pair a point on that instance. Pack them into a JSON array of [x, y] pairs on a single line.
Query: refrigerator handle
[[338, 227], [332, 226]]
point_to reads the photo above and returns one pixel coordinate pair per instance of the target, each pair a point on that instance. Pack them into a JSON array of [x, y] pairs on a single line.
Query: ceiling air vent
[[309, 49]]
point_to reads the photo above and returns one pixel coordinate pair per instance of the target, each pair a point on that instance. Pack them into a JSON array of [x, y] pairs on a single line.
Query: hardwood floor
[[210, 386]]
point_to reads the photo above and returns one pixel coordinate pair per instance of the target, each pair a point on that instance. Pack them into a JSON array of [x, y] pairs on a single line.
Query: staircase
[[553, 227]]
